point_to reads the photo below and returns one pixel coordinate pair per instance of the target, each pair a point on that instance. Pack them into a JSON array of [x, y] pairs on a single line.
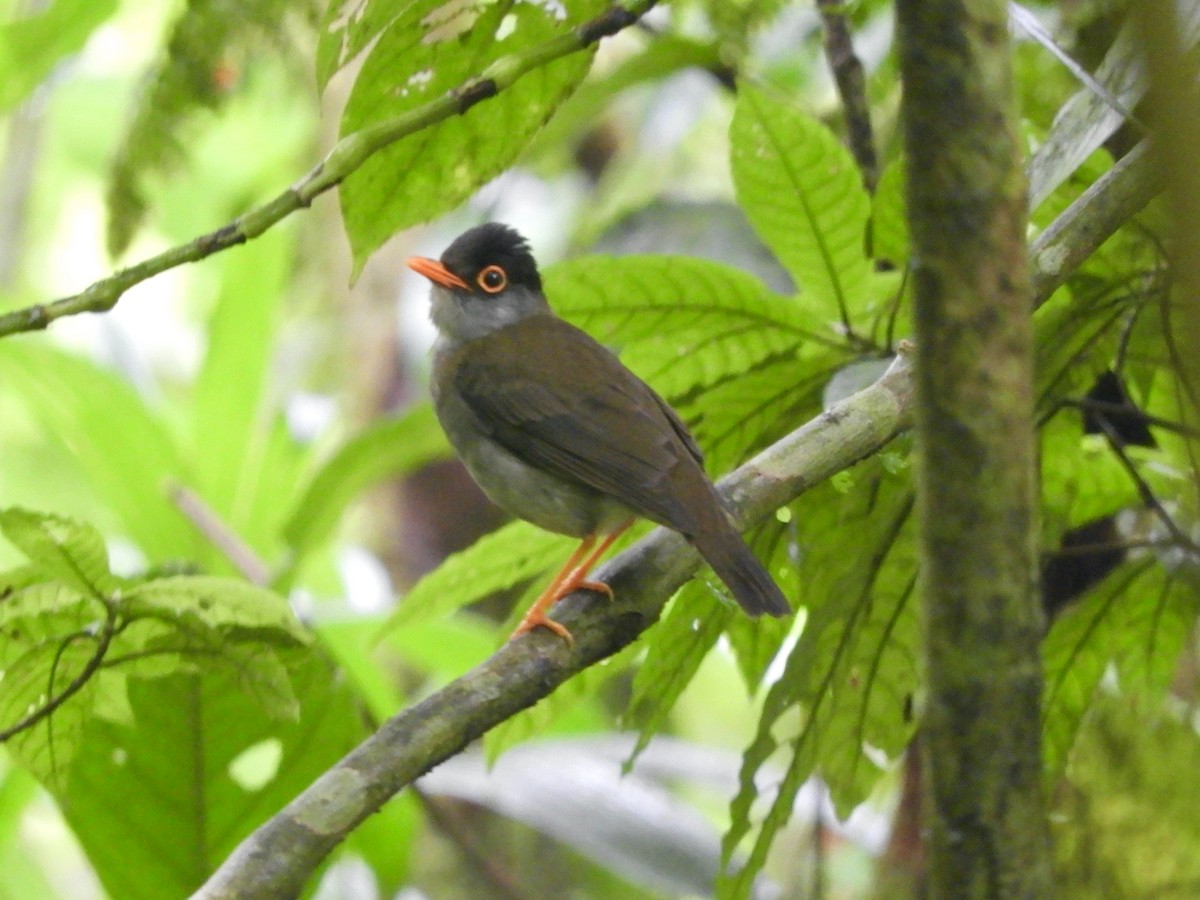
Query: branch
[[851, 84], [277, 859], [1115, 197], [346, 156]]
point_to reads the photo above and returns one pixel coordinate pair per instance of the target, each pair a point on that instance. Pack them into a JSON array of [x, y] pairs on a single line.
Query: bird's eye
[[492, 279]]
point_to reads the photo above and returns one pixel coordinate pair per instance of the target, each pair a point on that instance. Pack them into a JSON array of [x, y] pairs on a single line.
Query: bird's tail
[[737, 566]]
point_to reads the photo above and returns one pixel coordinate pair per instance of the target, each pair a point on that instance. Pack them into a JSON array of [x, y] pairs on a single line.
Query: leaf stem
[[77, 683]]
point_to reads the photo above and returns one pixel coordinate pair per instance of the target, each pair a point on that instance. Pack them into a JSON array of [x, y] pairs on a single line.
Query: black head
[[492, 257]]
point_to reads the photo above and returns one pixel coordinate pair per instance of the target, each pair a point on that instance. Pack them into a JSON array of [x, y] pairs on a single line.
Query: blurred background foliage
[[260, 417]]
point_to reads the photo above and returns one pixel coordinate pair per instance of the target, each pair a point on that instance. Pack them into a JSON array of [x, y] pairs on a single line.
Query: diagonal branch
[[346, 156], [277, 859]]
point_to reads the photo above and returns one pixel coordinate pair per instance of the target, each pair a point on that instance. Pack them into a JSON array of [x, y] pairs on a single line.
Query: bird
[[557, 431]]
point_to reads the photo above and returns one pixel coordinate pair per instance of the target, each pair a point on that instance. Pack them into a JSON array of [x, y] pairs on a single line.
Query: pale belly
[[556, 504]]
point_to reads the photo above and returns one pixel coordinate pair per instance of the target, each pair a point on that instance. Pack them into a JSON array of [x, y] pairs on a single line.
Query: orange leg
[[571, 577]]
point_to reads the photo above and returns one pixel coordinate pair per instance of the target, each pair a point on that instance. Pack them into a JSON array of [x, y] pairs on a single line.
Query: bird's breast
[[564, 506]]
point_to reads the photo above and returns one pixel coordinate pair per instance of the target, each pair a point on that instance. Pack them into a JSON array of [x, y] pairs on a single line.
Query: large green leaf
[[419, 57], [123, 449], [231, 412], [802, 192], [683, 323], [203, 768], [59, 639], [31, 47]]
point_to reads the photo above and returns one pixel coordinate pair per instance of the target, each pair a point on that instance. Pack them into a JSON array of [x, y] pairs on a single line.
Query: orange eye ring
[[492, 279]]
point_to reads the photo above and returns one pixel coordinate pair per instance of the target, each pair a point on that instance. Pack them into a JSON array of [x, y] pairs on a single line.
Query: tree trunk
[[981, 731]]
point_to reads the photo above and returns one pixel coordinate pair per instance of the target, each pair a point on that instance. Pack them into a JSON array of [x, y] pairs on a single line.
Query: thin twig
[[346, 156], [1145, 492], [77, 683], [218, 532], [851, 82]]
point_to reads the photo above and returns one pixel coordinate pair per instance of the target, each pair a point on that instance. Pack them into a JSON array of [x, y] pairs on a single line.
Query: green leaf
[[388, 448], [230, 411], [123, 449], [1082, 478], [802, 192], [496, 562], [889, 222], [854, 671], [42, 676], [347, 29], [186, 759], [746, 413], [62, 549], [675, 648], [683, 323], [230, 606], [31, 47], [417, 59], [1138, 619], [44, 614], [756, 642]]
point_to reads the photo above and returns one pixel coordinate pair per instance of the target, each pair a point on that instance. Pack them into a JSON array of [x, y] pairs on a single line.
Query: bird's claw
[[539, 619]]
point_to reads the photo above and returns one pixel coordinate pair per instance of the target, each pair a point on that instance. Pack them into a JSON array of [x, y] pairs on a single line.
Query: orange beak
[[436, 272]]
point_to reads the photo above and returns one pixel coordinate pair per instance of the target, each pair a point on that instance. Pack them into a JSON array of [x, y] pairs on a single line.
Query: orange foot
[[536, 616], [571, 577]]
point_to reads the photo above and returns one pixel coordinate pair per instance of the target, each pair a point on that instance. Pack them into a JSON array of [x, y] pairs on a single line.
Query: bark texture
[[1173, 108], [973, 300]]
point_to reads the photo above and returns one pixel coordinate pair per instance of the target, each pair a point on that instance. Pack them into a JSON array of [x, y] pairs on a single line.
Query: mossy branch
[[346, 156]]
